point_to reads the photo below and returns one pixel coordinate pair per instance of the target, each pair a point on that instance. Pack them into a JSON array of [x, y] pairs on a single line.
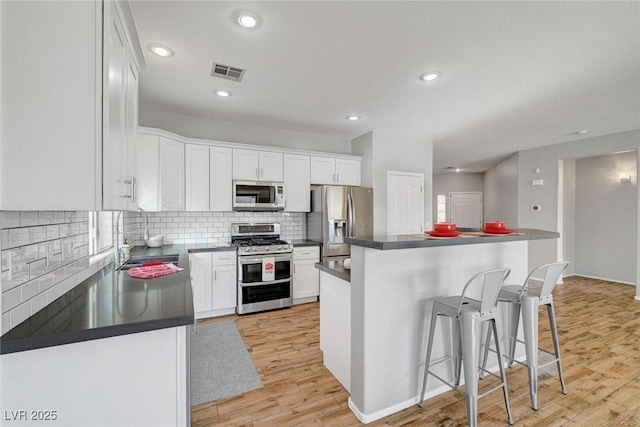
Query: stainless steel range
[[264, 267]]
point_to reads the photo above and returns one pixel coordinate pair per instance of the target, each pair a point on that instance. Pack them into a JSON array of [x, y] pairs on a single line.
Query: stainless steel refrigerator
[[338, 212]]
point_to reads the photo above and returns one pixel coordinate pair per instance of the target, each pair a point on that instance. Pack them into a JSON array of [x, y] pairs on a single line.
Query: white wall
[[192, 127], [605, 218], [547, 159], [384, 151], [454, 183], [501, 191]]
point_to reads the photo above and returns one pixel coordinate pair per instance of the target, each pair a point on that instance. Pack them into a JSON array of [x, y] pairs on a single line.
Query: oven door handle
[[272, 282], [287, 257]]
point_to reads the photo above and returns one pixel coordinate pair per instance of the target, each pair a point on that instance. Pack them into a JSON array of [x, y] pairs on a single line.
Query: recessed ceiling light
[[247, 19], [160, 49], [223, 93], [582, 132], [353, 118], [430, 75]]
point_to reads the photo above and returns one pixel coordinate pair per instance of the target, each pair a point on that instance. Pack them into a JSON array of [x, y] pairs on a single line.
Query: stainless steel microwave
[[258, 196]]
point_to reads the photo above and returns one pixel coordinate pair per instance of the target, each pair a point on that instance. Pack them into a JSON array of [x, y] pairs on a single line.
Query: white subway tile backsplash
[[30, 290], [36, 247], [38, 302], [53, 294], [10, 299], [9, 219], [6, 323], [20, 314]]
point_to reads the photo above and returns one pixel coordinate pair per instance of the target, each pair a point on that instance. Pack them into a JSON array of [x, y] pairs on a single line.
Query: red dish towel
[[151, 271]]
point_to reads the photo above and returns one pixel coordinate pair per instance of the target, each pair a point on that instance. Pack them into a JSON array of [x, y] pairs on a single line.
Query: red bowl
[[495, 225], [444, 227]]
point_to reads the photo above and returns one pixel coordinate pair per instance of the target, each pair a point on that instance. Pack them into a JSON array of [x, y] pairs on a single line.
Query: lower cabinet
[[306, 277], [213, 279]]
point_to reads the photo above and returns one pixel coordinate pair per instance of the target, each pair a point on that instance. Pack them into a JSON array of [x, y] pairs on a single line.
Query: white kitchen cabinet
[[208, 178], [148, 172], [55, 127], [120, 110], [335, 171], [221, 176], [161, 175], [306, 277], [201, 269], [297, 183], [171, 175], [196, 177], [224, 282], [257, 165], [213, 279]]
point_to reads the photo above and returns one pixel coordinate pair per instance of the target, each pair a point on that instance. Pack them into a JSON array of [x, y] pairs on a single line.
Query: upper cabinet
[[297, 183], [120, 112], [208, 176], [161, 173], [61, 143], [257, 165], [335, 171], [171, 175]]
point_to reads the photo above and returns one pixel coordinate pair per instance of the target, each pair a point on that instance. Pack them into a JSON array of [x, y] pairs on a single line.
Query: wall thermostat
[[536, 208]]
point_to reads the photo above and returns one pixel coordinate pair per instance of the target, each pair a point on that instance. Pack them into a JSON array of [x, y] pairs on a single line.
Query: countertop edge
[[339, 272], [419, 241], [74, 337]]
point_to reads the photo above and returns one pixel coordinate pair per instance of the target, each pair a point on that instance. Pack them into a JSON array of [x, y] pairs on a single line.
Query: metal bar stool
[[467, 316], [527, 299]]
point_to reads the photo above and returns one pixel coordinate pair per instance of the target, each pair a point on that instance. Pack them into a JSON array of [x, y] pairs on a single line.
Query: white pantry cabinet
[[306, 277], [335, 171], [56, 128], [297, 183], [208, 175], [257, 165], [213, 279]]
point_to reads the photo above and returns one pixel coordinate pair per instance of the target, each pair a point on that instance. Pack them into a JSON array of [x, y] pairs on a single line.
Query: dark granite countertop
[[409, 241], [107, 304], [334, 268]]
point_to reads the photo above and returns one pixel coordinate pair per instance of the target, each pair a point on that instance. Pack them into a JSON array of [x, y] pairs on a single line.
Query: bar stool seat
[[467, 316], [526, 299]]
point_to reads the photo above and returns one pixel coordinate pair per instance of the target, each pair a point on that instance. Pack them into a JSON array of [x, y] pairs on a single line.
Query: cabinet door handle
[[261, 172], [333, 177], [257, 176], [134, 189], [337, 177], [215, 275], [294, 269]]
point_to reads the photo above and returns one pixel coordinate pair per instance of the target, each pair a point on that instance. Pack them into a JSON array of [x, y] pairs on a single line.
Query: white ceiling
[[516, 75]]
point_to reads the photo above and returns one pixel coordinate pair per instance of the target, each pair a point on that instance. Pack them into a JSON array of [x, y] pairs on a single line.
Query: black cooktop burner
[[258, 242]]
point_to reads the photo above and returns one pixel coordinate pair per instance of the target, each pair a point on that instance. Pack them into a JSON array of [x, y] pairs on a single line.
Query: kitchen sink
[[139, 261]]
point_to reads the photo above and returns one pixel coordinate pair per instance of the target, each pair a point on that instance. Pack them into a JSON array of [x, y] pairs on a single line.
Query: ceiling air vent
[[227, 72]]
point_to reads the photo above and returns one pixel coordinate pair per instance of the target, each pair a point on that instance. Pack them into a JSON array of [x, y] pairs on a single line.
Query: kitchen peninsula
[[117, 347], [394, 280]]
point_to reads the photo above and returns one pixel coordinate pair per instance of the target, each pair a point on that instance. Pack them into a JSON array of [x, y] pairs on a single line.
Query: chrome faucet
[[146, 224]]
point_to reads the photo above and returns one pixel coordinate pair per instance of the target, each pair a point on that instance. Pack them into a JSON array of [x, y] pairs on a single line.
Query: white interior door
[[405, 202], [466, 209]]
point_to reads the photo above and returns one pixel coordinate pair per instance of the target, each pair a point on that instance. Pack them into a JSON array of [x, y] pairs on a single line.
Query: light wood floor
[[599, 327]]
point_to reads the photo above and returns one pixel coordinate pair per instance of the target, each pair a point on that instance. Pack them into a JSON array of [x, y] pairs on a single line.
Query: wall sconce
[[625, 177]]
